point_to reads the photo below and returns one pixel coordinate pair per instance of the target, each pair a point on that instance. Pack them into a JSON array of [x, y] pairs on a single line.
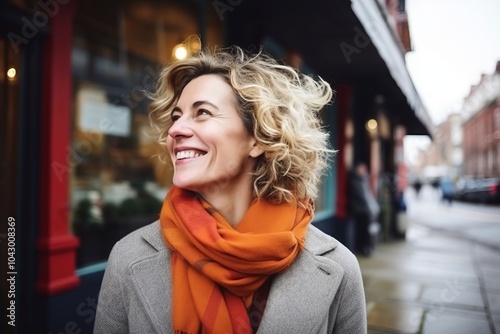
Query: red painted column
[[343, 97], [55, 244]]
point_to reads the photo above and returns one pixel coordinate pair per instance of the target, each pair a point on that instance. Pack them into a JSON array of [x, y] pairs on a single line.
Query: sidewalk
[[432, 283]]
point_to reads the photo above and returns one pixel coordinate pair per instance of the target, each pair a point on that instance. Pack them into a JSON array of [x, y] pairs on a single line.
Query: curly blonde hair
[[277, 104]]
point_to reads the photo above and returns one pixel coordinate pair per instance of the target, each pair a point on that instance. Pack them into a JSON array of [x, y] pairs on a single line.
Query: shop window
[[117, 182], [325, 203]]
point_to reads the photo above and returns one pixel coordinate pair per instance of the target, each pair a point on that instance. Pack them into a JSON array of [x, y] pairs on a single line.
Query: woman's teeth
[[187, 155]]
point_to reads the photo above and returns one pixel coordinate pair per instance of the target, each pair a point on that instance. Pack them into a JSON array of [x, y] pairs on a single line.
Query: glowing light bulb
[[11, 73], [180, 52], [371, 124]]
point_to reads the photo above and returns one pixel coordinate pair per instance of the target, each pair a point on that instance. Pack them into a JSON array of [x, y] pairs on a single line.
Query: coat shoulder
[[128, 299], [140, 243], [348, 311], [322, 244]]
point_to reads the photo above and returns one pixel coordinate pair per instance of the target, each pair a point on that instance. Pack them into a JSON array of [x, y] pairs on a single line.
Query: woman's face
[[211, 150]]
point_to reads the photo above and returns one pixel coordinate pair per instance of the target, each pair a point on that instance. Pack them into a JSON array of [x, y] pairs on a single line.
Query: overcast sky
[[454, 42]]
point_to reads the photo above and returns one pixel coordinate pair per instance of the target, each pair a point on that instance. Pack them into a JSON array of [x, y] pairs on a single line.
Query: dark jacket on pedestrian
[[361, 202]]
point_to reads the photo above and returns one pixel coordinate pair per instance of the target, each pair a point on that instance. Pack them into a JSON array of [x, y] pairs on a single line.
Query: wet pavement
[[438, 280]]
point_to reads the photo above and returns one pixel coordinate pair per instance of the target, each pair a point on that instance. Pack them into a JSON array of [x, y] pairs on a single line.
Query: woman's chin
[[186, 184]]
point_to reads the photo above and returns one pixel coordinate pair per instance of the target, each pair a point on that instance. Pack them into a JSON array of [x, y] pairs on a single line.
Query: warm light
[[180, 52], [195, 45], [349, 129], [371, 125], [11, 73]]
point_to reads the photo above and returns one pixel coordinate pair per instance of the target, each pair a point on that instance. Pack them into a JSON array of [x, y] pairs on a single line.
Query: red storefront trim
[[343, 98], [56, 245]]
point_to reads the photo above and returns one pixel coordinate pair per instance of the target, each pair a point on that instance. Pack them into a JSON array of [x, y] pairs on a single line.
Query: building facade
[[444, 155], [76, 150], [481, 127]]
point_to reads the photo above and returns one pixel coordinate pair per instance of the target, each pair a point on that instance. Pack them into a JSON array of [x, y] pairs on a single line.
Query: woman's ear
[[256, 151]]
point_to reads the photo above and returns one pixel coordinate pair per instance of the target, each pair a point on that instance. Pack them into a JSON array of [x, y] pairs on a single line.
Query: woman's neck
[[232, 206]]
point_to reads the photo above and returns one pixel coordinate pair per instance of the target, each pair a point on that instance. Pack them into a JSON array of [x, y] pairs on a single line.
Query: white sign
[[105, 118]]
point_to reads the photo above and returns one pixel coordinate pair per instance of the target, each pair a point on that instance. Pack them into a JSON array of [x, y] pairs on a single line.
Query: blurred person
[[417, 185], [447, 187], [364, 208], [401, 215], [435, 183], [234, 250]]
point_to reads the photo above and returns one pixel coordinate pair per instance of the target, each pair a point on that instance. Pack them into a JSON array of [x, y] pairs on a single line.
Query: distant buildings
[[481, 127], [467, 143], [445, 154]]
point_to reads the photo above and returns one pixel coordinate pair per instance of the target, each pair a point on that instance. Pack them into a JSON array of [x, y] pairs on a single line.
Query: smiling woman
[[234, 250], [211, 151]]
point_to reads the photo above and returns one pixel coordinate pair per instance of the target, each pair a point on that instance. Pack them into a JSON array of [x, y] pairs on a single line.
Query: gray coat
[[321, 292]]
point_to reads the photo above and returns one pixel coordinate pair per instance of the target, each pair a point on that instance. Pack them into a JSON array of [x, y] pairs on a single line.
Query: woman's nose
[[180, 128]]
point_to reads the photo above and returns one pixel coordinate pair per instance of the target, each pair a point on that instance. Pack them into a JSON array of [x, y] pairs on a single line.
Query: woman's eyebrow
[[196, 105], [199, 103]]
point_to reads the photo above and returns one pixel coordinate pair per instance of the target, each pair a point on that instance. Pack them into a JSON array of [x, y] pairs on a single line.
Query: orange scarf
[[216, 269]]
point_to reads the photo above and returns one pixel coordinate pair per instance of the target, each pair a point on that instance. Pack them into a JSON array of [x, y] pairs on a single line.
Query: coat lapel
[[152, 279], [300, 298]]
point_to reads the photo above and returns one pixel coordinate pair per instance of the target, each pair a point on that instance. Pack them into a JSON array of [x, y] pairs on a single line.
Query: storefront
[[82, 168], [75, 75]]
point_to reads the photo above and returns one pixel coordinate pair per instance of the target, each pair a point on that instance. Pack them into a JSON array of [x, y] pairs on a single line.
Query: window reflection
[[117, 183]]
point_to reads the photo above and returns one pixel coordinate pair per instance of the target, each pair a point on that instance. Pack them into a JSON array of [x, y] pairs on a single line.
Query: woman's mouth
[[189, 154]]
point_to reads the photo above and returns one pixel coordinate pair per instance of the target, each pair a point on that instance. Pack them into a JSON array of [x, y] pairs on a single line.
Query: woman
[[234, 250]]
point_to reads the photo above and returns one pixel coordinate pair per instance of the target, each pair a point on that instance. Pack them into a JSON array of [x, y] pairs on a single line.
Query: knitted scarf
[[216, 269]]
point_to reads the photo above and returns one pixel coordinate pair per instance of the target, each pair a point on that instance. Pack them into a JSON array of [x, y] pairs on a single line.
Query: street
[[478, 222], [444, 277]]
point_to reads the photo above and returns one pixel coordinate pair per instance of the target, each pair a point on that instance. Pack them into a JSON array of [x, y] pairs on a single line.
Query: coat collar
[[149, 274], [311, 281], [307, 289]]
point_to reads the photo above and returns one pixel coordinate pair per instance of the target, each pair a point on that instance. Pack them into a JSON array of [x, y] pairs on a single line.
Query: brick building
[[481, 127]]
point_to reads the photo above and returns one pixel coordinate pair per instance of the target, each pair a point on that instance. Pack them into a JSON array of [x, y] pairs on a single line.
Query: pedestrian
[[417, 185], [364, 209], [447, 187], [400, 206], [234, 250]]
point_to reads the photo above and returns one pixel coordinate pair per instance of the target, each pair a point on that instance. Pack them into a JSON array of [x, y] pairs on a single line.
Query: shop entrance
[[20, 78], [9, 120], [9, 124]]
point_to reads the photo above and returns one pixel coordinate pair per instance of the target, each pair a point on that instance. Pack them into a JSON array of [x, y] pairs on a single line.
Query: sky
[[453, 42]]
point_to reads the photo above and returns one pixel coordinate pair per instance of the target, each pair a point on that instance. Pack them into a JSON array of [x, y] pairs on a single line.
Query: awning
[[381, 35], [330, 37]]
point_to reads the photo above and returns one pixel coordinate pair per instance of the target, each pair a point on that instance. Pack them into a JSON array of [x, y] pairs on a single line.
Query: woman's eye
[[203, 112], [175, 117]]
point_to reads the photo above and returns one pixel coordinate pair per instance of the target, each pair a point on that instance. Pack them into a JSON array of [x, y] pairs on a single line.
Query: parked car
[[463, 187], [478, 190]]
